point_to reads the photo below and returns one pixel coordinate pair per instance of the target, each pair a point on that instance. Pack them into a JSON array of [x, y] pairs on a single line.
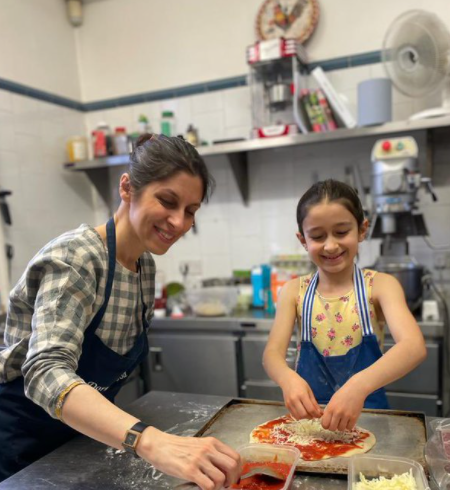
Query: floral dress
[[335, 321]]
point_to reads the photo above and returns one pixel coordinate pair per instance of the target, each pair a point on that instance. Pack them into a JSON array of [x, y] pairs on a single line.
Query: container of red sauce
[[282, 459]]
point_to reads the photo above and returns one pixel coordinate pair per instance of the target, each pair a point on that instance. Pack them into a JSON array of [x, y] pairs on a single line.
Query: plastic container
[[120, 141], [372, 466], [270, 453], [437, 452], [212, 301], [168, 123]]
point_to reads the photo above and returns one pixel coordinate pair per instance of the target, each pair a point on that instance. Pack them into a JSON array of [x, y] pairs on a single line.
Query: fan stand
[[442, 111]]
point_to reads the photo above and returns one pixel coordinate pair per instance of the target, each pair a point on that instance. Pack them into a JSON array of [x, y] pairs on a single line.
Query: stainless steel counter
[[84, 464], [226, 354], [254, 321]]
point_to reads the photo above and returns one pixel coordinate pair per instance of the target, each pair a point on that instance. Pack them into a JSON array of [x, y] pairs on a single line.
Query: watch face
[[130, 439], [291, 19]]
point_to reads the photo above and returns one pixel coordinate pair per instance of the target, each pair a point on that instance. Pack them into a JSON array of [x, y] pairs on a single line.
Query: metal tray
[[398, 433]]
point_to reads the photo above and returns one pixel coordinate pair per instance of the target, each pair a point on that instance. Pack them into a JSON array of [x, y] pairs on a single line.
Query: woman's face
[[164, 211]]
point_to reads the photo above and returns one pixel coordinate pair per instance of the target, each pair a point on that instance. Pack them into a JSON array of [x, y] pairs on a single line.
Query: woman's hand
[[344, 408], [299, 398], [205, 461]]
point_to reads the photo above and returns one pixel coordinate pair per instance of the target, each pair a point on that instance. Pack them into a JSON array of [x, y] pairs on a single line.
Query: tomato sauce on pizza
[[313, 442]]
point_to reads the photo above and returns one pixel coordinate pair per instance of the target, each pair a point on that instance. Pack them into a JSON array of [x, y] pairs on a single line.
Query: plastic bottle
[[99, 144], [120, 141], [168, 123], [258, 290], [106, 130], [76, 149]]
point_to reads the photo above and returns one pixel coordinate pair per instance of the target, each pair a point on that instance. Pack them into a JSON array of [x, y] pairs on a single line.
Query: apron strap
[[362, 302], [145, 323], [111, 244], [308, 301]]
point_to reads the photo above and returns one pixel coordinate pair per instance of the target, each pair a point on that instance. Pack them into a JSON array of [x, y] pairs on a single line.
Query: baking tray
[[398, 433]]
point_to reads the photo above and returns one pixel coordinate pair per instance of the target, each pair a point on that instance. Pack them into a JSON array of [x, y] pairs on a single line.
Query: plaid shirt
[[56, 299]]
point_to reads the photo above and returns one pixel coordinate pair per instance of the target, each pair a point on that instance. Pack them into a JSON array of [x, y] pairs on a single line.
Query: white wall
[[38, 50], [38, 46], [135, 46]]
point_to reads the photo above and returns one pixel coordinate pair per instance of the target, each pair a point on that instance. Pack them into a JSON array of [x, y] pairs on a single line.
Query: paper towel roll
[[374, 101]]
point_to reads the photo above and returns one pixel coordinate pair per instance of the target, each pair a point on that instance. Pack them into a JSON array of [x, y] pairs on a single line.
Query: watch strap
[[132, 437], [139, 427]]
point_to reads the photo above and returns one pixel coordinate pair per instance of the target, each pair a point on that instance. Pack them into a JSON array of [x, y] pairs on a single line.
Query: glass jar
[[76, 149]]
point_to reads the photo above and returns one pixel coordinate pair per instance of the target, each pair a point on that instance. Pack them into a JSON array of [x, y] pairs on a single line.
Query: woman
[[78, 319]]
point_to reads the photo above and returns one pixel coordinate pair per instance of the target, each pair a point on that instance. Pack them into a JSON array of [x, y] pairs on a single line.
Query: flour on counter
[[137, 473]]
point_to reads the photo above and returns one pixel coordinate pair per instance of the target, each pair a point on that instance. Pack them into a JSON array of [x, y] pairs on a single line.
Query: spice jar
[[120, 141], [76, 149]]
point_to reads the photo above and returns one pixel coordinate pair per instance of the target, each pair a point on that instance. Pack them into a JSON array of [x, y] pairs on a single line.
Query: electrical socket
[[441, 260], [193, 267]]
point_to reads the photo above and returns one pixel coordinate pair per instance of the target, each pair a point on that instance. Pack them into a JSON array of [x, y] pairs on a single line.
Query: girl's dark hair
[[158, 157], [330, 191]]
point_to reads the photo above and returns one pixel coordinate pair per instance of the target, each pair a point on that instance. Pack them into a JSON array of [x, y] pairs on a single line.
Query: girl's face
[[331, 236], [164, 211]]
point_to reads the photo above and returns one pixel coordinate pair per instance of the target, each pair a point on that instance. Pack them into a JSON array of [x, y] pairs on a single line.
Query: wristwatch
[[132, 437]]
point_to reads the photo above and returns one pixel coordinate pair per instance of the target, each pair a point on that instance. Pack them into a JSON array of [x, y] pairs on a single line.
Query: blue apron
[[326, 374], [27, 432]]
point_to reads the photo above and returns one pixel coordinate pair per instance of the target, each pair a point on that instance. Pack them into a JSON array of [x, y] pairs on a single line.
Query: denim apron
[[27, 432], [326, 374]]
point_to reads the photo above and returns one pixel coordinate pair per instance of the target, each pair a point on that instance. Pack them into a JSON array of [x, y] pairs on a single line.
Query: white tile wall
[[48, 200], [234, 236]]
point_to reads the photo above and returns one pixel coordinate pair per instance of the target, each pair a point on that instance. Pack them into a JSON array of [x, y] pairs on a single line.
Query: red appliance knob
[[386, 146]]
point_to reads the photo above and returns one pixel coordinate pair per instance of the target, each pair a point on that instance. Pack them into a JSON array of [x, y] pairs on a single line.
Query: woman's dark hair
[[158, 157], [330, 191]]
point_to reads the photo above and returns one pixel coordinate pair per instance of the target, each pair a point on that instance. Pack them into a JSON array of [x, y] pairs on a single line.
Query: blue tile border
[[186, 90], [34, 93], [352, 61]]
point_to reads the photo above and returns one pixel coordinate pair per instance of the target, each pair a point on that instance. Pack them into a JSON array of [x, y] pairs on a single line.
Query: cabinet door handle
[[156, 356]]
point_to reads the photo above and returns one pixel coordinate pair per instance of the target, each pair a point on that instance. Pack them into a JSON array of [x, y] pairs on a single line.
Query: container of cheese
[[372, 472]]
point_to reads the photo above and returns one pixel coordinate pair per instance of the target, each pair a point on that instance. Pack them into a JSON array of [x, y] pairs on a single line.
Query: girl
[[339, 310], [78, 319]]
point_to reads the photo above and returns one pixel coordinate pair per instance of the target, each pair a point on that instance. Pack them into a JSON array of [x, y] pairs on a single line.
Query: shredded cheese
[[405, 481], [308, 431]]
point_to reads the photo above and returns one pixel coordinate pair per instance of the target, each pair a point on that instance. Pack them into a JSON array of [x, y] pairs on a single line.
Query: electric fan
[[416, 57]]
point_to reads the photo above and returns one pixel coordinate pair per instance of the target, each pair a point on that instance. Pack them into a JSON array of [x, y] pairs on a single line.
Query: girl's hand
[[299, 398], [205, 461], [344, 408]]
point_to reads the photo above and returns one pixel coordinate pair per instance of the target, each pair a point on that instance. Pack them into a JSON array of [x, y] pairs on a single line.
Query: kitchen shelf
[[237, 152]]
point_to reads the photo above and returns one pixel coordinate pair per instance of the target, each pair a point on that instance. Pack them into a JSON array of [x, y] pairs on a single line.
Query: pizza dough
[[313, 441]]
